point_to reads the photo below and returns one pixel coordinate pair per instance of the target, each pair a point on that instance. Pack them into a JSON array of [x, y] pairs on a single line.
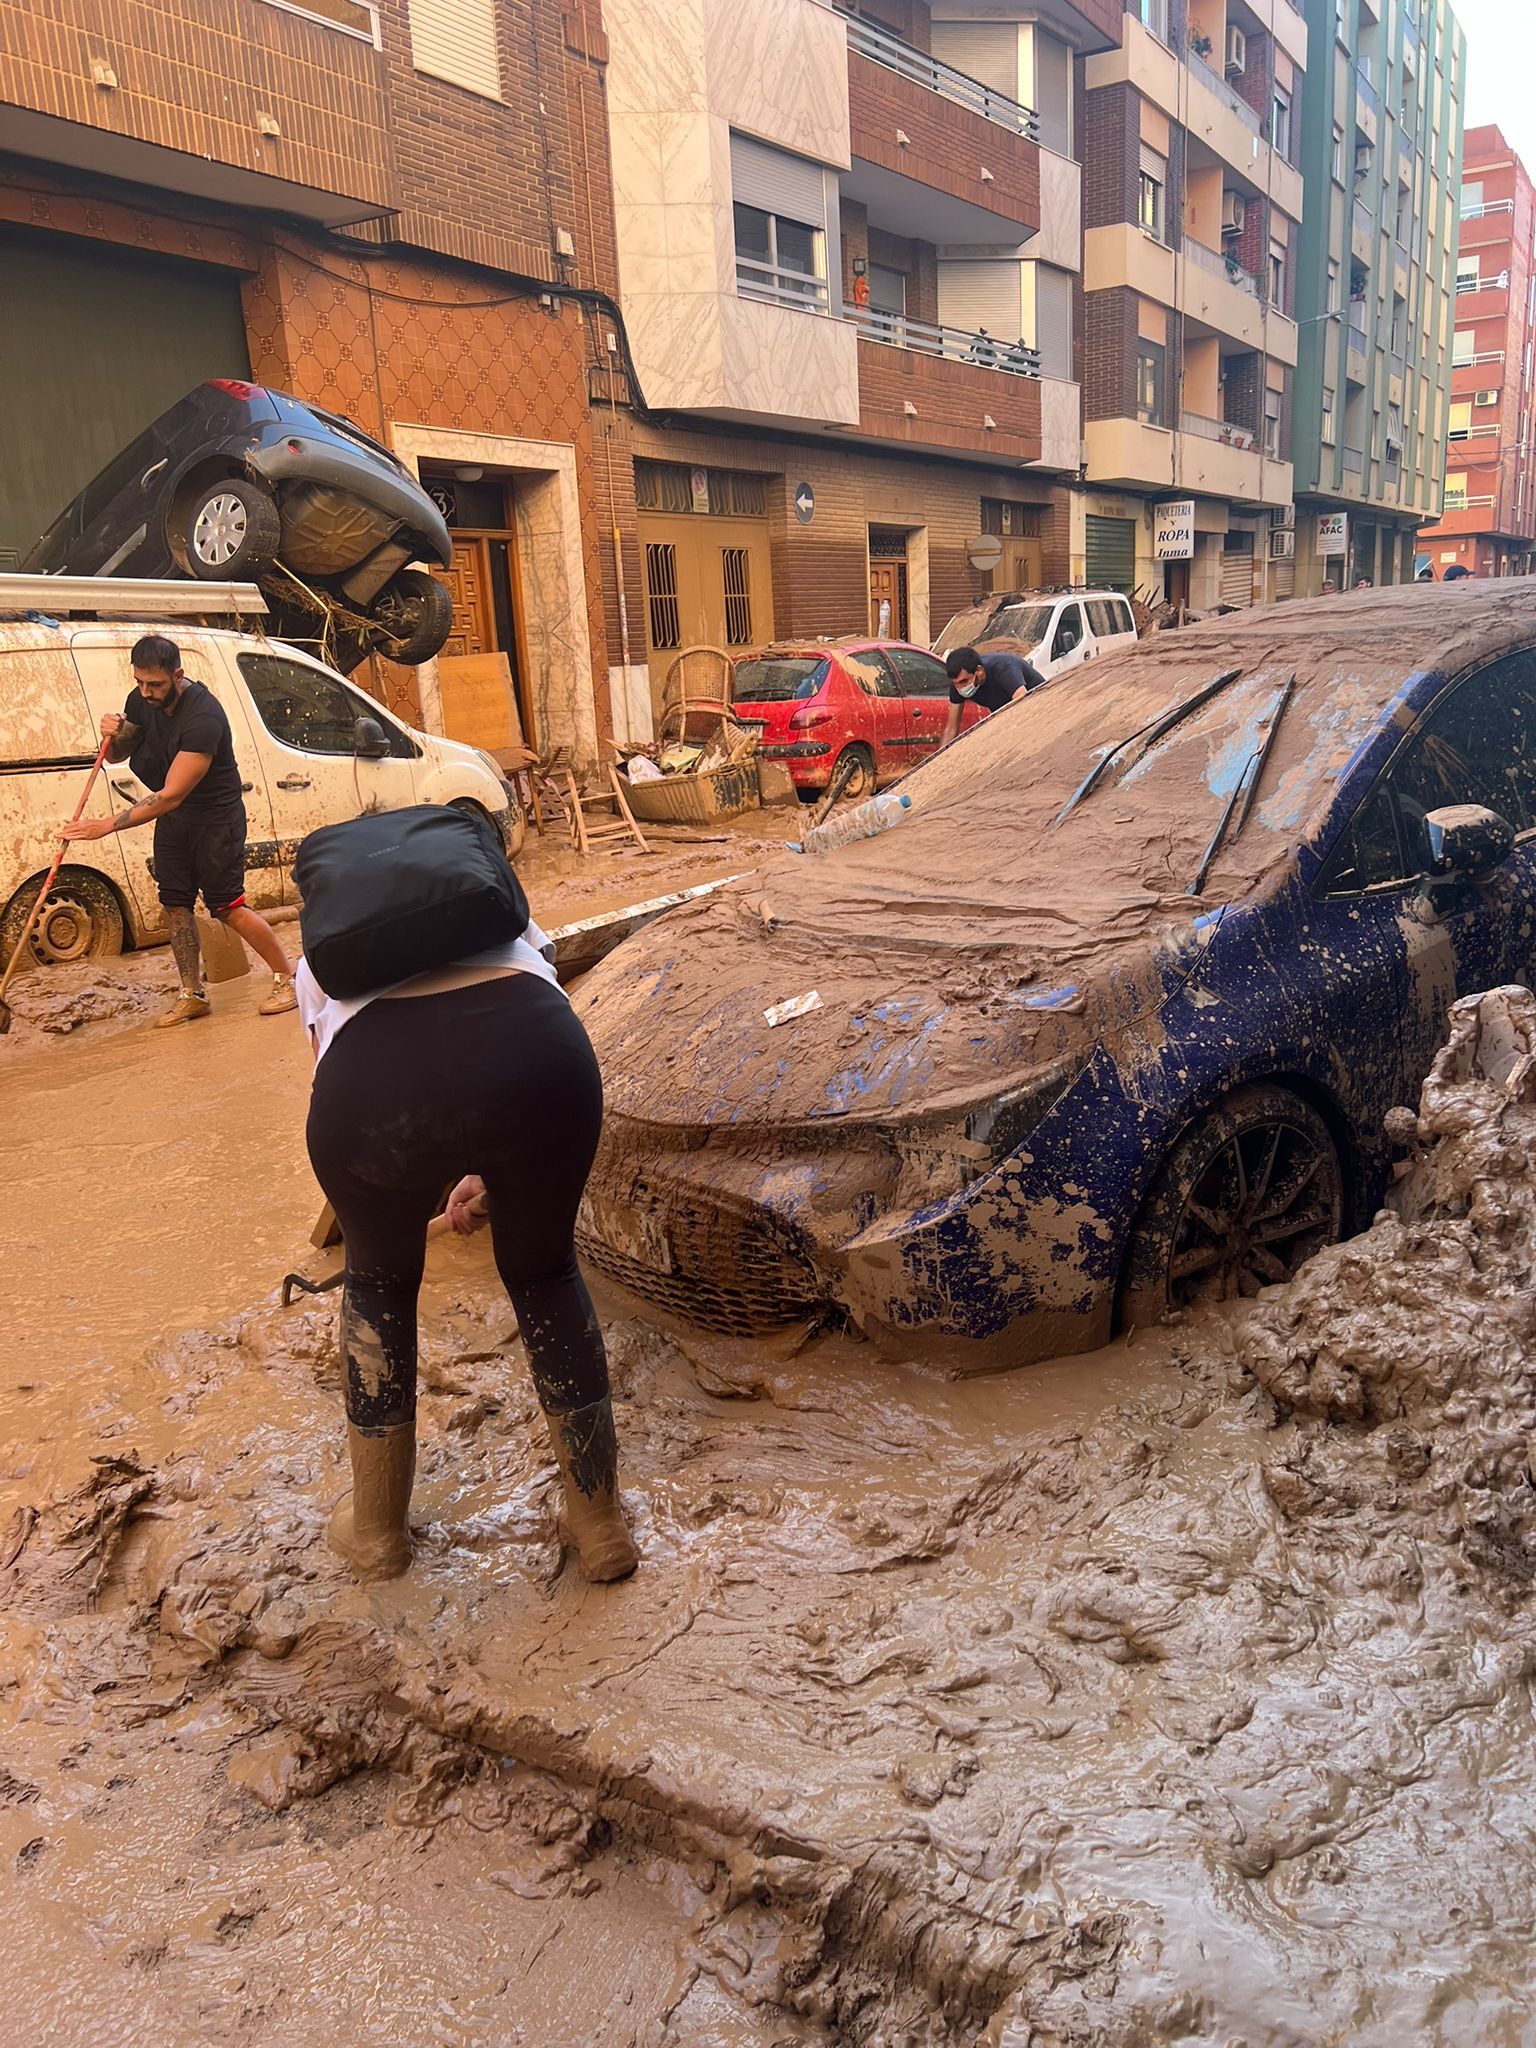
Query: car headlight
[[1007, 1120]]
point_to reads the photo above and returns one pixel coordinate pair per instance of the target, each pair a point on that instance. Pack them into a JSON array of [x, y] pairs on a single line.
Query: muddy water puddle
[[1177, 1694]]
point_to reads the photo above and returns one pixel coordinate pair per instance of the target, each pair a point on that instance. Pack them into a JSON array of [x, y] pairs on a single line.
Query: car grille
[[728, 1273]]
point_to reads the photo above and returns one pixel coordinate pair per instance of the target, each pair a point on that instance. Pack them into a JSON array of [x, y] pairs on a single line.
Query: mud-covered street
[[1177, 1693]]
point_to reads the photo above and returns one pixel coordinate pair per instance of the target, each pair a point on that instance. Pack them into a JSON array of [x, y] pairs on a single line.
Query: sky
[[1501, 69]]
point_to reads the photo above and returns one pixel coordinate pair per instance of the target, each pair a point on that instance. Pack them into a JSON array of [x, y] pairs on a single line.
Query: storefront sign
[[1173, 530], [1333, 533]]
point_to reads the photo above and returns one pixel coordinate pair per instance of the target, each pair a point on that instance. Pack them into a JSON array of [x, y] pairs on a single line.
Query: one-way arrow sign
[[805, 504]]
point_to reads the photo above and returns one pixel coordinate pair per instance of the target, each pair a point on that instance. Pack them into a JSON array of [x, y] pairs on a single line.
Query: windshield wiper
[[1149, 735], [1241, 799]]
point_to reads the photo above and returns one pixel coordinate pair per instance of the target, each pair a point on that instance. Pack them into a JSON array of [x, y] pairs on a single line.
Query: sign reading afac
[[1332, 533], [1173, 530]]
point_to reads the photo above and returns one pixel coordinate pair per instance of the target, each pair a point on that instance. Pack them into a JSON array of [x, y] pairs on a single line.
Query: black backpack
[[394, 894]]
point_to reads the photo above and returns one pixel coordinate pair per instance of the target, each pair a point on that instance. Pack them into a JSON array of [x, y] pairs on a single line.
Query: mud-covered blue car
[[1110, 1025]]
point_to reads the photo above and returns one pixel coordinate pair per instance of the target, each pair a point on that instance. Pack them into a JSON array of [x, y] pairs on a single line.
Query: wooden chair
[[587, 832]]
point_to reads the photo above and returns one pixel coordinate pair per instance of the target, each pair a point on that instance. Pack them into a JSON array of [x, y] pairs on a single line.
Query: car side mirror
[[370, 742], [1468, 840]]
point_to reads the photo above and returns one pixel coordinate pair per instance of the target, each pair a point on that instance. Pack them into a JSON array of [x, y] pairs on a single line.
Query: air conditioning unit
[[1282, 544], [1486, 398], [1394, 449], [1237, 51], [1282, 516], [1362, 158], [1234, 211]]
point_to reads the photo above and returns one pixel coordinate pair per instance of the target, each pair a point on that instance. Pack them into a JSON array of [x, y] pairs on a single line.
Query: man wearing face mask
[[990, 680]]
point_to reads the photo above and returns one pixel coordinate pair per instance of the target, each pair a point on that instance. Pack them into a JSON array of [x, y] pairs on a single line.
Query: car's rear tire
[[82, 920], [414, 616], [229, 530], [1248, 1193], [519, 821], [858, 762]]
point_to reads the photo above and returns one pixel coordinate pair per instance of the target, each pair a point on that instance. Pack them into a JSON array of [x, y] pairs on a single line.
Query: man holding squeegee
[[175, 735]]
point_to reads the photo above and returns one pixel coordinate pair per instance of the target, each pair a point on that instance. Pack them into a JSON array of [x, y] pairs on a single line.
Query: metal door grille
[[661, 593], [738, 598]]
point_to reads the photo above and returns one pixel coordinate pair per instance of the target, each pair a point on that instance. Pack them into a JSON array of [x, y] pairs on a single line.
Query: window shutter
[[1154, 165], [793, 187], [456, 40], [987, 52], [1053, 93], [977, 295], [1053, 321]]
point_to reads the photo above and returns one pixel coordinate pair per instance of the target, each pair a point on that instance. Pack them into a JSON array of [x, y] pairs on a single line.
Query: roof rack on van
[[127, 597]]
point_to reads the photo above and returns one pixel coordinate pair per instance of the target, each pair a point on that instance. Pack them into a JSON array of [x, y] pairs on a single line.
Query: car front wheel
[[230, 530], [413, 615], [1246, 1196]]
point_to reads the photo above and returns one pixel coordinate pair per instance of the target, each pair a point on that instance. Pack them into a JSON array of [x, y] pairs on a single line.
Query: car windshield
[[777, 679], [1026, 622], [966, 627]]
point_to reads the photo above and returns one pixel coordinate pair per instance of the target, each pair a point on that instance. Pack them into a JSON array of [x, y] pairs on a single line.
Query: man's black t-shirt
[[196, 725], [1003, 677]]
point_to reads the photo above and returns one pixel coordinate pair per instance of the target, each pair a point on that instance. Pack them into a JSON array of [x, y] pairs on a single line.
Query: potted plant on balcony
[[1199, 41], [1234, 268]]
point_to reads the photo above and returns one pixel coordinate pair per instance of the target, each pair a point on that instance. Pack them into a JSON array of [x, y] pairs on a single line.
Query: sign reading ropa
[[1333, 533], [1173, 530]]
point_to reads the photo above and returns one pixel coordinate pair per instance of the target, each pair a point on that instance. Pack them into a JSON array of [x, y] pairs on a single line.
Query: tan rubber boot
[[587, 1452], [369, 1527]]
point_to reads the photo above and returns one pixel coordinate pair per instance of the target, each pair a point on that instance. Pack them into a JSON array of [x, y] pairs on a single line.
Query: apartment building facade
[[849, 244], [1489, 521], [391, 210], [1191, 143], [1383, 98]]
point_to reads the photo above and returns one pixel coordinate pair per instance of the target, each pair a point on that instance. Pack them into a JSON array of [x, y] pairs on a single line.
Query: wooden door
[[888, 599], [469, 585], [1022, 566]]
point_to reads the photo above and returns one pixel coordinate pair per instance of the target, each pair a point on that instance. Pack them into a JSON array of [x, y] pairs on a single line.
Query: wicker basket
[[695, 799]]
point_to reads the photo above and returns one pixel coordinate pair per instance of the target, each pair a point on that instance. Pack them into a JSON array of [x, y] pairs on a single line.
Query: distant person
[[990, 680], [861, 293], [1330, 588], [1457, 573], [175, 735], [1426, 574], [1363, 583]]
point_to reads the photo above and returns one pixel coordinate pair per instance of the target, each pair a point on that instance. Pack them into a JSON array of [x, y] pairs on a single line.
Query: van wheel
[[82, 920], [230, 529], [414, 616], [1245, 1197], [518, 822]]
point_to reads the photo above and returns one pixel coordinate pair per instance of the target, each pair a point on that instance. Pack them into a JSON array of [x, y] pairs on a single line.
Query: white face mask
[[966, 689]]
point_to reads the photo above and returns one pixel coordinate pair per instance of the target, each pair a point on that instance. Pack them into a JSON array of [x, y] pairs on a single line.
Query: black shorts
[[201, 856]]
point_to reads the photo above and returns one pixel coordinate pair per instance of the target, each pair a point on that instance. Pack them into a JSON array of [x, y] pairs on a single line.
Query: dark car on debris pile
[[1112, 1022], [241, 484]]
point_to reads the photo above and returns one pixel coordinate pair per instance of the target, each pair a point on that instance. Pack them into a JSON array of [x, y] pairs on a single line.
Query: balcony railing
[[1483, 284], [1488, 206], [1489, 355], [881, 47], [770, 284], [1211, 78], [1354, 461], [983, 351], [1395, 363], [1216, 430], [1221, 265], [1458, 501], [1366, 92], [1476, 432], [1364, 224]]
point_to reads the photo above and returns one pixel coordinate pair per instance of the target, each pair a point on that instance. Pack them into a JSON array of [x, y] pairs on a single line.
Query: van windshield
[[776, 680], [1026, 622]]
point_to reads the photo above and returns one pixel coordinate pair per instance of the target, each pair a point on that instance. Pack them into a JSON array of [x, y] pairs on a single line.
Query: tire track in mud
[[1182, 1694]]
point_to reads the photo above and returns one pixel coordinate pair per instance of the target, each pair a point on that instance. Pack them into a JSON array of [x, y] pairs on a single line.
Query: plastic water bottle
[[862, 822]]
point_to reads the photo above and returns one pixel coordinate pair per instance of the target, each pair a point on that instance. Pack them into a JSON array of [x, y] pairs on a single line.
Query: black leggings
[[498, 1079]]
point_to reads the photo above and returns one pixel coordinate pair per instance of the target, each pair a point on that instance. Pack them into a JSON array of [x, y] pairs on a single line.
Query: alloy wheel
[[1269, 1198]]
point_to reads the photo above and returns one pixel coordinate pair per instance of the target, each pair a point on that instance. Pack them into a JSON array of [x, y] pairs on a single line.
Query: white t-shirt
[[323, 1016]]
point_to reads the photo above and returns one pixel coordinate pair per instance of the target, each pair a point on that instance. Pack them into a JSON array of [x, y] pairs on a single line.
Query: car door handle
[[152, 472], [292, 782]]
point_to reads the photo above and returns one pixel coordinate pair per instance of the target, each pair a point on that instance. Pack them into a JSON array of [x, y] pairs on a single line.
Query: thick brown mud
[[1177, 1694]]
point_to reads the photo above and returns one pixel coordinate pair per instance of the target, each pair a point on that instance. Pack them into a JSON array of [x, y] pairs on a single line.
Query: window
[[1277, 276], [1327, 429], [304, 707], [1280, 123], [57, 728], [1151, 364], [779, 260], [1125, 621], [401, 746], [921, 675], [456, 40], [789, 678], [1368, 854], [1456, 490], [1333, 285], [121, 474], [1069, 631], [1272, 423], [1101, 617], [661, 594], [1338, 154], [1027, 622], [735, 572], [1472, 198], [874, 669], [676, 487], [1152, 14], [1463, 346], [1151, 187], [1461, 419]]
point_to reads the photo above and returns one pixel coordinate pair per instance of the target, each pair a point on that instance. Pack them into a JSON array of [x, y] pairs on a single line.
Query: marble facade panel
[[778, 69]]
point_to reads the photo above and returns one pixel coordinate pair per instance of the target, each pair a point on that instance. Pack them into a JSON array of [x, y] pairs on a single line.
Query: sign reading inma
[[1173, 530]]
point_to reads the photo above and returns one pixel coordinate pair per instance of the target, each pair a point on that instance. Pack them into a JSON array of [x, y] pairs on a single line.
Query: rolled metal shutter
[[456, 40], [1110, 553], [1237, 569], [1053, 321], [793, 187], [1284, 570]]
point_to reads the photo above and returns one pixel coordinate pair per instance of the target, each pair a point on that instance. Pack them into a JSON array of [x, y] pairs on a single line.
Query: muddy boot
[[188, 1007], [587, 1452], [369, 1527]]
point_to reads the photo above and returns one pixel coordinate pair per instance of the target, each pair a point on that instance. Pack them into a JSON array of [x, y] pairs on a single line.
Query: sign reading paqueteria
[[1173, 530]]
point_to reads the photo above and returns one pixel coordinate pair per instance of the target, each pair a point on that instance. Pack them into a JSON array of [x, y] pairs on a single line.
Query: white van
[[312, 749], [1058, 629]]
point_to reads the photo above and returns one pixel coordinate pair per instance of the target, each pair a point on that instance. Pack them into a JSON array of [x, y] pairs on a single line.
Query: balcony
[[1367, 107], [1216, 290], [1354, 461], [1362, 233], [276, 106], [1476, 287], [1216, 457], [936, 155], [1357, 351], [942, 390], [1213, 82]]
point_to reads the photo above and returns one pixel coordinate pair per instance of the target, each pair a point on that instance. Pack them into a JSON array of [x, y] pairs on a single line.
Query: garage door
[[1110, 553], [96, 343], [1237, 569]]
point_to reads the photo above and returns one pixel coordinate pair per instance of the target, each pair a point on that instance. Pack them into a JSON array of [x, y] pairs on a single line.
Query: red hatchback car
[[816, 702]]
